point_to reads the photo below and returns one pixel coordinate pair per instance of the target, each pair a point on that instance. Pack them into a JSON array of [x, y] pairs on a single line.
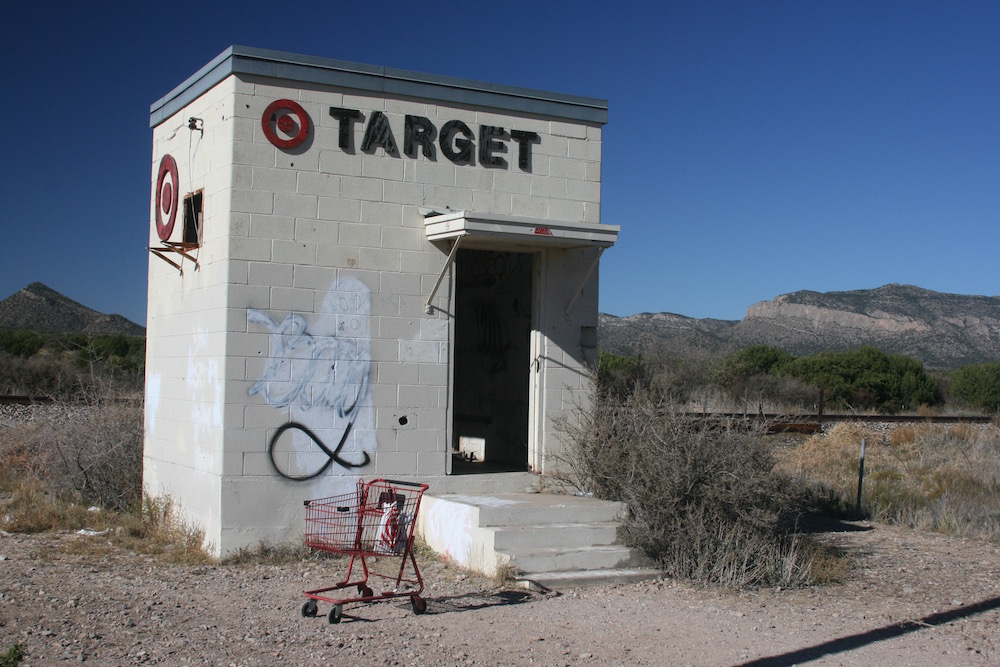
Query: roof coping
[[371, 78]]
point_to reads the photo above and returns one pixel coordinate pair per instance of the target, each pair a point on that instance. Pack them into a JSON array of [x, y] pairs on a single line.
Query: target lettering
[[456, 141]]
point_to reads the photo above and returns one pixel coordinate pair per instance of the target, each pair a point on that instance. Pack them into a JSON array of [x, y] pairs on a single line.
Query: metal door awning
[[508, 232], [484, 231]]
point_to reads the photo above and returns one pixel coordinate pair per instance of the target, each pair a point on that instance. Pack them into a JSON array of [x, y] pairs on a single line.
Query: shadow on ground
[[851, 642], [821, 523], [474, 601]]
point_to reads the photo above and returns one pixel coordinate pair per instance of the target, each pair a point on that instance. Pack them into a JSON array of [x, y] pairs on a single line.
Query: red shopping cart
[[375, 521]]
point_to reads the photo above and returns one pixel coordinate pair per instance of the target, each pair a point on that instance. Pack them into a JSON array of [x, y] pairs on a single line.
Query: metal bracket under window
[[179, 248], [444, 269]]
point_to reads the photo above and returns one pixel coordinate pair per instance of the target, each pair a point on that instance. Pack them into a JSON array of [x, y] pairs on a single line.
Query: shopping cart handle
[[399, 481]]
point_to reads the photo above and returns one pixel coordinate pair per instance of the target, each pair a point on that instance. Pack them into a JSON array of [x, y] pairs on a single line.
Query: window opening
[[192, 218], [187, 247]]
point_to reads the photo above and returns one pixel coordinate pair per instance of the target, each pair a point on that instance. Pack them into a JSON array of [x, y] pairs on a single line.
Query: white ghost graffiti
[[320, 370]]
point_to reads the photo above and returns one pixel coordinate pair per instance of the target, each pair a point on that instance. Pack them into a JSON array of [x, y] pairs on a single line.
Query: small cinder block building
[[364, 272]]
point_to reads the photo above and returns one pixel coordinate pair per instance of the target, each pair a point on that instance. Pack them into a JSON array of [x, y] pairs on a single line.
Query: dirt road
[[911, 599]]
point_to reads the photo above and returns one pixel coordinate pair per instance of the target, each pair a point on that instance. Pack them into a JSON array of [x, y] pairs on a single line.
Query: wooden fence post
[[861, 472]]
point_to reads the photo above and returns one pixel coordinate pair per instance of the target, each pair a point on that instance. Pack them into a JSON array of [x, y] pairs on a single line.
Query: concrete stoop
[[545, 540]]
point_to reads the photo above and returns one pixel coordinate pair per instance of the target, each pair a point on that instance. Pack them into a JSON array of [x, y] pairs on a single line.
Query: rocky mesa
[[941, 330]]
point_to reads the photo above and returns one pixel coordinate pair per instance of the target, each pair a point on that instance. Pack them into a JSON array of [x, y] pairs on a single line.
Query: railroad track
[[24, 400], [775, 421], [784, 423]]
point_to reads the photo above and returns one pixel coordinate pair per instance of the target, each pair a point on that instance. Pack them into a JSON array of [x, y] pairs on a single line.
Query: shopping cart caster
[[364, 591], [309, 609], [336, 613], [418, 603]]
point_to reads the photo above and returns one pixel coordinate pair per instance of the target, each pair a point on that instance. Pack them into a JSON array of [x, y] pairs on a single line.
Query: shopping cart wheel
[[419, 604], [309, 609], [365, 592], [336, 613]]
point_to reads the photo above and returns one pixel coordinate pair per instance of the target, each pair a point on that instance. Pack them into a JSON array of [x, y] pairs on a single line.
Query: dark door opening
[[493, 308]]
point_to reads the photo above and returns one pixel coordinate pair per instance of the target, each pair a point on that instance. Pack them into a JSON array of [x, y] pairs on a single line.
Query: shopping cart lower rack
[[374, 521]]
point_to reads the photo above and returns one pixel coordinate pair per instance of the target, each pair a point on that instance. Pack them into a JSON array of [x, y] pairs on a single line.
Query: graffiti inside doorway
[[493, 318]]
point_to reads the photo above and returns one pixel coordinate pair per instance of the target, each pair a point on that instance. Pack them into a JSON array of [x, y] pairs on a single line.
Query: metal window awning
[[508, 232]]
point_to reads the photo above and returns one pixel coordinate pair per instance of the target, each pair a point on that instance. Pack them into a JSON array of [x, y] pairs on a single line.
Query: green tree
[[620, 375], [977, 386], [751, 361], [867, 378], [20, 343]]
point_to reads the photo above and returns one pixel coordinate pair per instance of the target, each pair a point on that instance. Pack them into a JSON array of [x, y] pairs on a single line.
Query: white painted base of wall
[[452, 529]]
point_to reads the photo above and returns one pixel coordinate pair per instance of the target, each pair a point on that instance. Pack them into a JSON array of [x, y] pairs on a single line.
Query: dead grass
[[152, 528], [78, 466], [266, 553], [87, 452], [944, 478], [28, 507], [505, 575], [156, 530]]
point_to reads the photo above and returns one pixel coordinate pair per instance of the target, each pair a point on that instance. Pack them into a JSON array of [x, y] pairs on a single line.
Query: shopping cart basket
[[374, 521]]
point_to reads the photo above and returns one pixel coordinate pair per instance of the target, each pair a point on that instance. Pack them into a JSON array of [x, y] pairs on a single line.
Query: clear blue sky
[[753, 148]]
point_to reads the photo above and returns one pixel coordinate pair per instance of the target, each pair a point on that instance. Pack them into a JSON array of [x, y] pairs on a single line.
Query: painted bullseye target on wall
[[167, 191], [287, 118]]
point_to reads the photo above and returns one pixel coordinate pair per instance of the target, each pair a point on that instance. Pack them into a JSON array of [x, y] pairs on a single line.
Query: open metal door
[[536, 376]]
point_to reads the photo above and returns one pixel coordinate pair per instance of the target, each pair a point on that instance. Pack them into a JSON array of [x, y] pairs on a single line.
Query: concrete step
[[518, 509], [562, 580], [552, 539], [512, 538], [490, 483], [566, 559]]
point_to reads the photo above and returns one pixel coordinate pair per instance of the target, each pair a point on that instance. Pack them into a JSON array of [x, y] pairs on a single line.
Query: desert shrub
[[703, 501], [773, 393], [89, 452], [40, 375], [13, 656], [977, 386], [677, 379], [933, 477]]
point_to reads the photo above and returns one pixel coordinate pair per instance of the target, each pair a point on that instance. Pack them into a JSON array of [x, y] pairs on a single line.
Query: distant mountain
[[42, 309], [941, 330]]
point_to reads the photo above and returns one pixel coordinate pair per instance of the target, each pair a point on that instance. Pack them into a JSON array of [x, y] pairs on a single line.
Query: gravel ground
[[912, 599]]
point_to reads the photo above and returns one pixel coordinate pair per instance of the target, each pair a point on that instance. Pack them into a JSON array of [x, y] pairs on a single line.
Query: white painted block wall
[[281, 228]]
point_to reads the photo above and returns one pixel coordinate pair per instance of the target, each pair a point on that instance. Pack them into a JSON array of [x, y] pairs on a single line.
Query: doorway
[[493, 324]]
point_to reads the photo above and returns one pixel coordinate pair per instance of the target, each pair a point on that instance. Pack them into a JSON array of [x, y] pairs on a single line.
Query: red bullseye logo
[[290, 119], [167, 191]]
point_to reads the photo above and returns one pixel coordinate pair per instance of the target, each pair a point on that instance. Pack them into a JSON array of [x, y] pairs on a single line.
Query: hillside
[[40, 308], [941, 330], [665, 335]]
